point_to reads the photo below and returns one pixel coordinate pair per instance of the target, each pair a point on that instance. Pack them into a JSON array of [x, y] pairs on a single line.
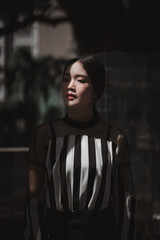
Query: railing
[[13, 182], [14, 149]]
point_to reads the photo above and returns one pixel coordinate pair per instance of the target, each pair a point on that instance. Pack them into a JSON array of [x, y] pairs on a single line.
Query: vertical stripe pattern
[[92, 169], [56, 174], [77, 172], [69, 170], [108, 175], [63, 156], [82, 173], [104, 173]]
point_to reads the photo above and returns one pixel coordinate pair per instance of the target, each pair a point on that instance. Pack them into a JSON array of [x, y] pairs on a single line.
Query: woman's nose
[[71, 85]]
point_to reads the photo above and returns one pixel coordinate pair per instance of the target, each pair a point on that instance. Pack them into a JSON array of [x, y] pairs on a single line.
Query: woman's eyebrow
[[77, 75], [80, 75]]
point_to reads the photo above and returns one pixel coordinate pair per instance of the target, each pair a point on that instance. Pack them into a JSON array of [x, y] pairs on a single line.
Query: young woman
[[79, 187]]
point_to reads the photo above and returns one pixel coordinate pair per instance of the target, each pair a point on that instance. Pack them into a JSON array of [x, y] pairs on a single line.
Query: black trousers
[[86, 225]]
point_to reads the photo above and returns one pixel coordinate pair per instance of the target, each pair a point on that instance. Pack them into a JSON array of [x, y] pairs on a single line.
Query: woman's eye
[[81, 80]]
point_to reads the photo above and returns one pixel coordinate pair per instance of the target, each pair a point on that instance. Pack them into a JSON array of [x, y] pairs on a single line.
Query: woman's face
[[77, 88]]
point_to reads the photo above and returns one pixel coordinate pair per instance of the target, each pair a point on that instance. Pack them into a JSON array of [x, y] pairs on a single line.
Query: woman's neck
[[80, 115]]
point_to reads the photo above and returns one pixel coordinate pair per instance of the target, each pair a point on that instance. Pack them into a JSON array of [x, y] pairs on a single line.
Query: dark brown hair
[[95, 70]]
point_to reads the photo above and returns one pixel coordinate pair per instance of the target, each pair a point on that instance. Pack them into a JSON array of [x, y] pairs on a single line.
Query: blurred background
[[37, 37]]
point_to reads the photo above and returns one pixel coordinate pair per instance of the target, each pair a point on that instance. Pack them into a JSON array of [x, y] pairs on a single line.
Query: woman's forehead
[[76, 69]]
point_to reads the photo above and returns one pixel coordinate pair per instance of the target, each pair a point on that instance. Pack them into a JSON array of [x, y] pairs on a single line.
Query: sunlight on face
[[77, 88]]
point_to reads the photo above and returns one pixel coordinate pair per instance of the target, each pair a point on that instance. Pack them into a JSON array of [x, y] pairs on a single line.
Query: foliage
[[18, 14], [98, 26], [32, 96], [107, 25]]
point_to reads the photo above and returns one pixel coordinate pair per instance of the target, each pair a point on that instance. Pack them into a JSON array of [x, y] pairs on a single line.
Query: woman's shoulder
[[114, 133], [43, 131], [48, 128], [42, 128]]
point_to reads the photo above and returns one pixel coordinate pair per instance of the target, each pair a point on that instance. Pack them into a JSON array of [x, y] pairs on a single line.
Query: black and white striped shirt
[[71, 164]]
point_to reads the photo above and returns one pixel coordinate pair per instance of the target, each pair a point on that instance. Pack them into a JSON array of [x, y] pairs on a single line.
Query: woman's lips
[[71, 96]]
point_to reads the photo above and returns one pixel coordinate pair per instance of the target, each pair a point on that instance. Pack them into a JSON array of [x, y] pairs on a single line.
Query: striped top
[[71, 164], [81, 173]]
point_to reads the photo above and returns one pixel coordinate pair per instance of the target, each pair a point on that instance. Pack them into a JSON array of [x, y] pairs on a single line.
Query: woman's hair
[[95, 70]]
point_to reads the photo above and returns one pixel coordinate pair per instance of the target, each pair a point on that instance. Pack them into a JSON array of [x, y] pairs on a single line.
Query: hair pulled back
[[95, 71]]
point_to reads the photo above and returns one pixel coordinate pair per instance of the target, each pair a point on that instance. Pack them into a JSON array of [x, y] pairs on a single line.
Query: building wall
[[57, 42], [131, 102], [41, 40], [2, 63]]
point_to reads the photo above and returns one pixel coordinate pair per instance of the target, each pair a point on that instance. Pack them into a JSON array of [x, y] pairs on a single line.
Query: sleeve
[[35, 204], [124, 193]]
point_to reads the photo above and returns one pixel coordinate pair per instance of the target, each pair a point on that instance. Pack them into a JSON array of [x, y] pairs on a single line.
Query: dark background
[[125, 36]]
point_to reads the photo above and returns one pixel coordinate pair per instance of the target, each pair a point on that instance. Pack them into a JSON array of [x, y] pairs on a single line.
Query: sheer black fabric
[[79, 182]]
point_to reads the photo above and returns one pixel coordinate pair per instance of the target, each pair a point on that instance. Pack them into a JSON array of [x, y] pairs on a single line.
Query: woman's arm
[[35, 206], [125, 193]]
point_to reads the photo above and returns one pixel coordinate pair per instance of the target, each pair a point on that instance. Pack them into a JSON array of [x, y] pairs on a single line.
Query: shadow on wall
[[32, 96], [131, 102], [13, 182]]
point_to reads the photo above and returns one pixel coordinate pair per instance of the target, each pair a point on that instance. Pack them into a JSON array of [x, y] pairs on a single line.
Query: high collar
[[80, 124]]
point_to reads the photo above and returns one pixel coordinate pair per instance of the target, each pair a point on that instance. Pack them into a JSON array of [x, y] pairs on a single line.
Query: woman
[[79, 187]]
